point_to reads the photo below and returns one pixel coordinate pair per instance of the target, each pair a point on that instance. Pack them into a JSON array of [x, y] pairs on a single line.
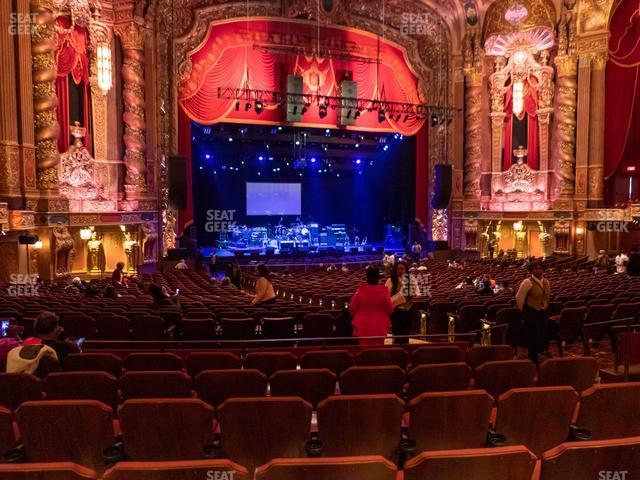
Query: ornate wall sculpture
[[471, 234], [440, 225], [562, 235], [45, 101], [474, 79], [64, 250], [149, 240], [132, 37]]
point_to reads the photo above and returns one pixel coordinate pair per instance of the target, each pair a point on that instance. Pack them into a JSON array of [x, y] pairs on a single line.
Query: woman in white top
[[401, 288], [264, 288]]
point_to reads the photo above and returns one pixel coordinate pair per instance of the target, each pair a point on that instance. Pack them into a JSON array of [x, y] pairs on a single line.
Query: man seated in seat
[[48, 330]]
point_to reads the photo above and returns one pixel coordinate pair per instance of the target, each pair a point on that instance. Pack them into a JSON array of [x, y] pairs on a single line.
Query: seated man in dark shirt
[[48, 330]]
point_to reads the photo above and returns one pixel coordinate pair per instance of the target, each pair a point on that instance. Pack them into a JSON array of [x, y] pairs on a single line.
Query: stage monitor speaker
[[348, 103], [177, 175], [294, 98], [442, 186]]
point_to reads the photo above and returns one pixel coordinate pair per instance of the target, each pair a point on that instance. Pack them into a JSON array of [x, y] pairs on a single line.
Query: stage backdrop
[[257, 54]]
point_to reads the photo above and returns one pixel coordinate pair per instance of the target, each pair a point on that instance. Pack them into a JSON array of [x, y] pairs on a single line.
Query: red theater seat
[[197, 362], [152, 362], [477, 355], [216, 386], [611, 410], [312, 385], [351, 468], [335, 360], [99, 386], [16, 388], [602, 459], [372, 380], [7, 435], [46, 471], [93, 362], [578, 372], [431, 355], [168, 384], [440, 377], [165, 429], [178, 470], [66, 431], [257, 430], [451, 420], [503, 375], [383, 356], [270, 362], [538, 417], [512, 463], [360, 425]]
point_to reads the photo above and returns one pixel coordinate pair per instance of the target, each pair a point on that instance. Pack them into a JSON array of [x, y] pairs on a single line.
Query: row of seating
[[575, 460], [256, 430], [312, 384]]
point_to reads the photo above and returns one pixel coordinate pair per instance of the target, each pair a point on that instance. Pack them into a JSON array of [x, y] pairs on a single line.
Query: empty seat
[[113, 327], [278, 327], [383, 356], [537, 417], [99, 386], [78, 326], [477, 355], [178, 470], [317, 325], [335, 360], [16, 388], [441, 377], [431, 355], [451, 420], [372, 380], [238, 328], [611, 410], [147, 327], [7, 435], [198, 329], [360, 425], [93, 362], [270, 362], [578, 372], [155, 385], [256, 430], [152, 361], [46, 471], [312, 385], [352, 468], [216, 386], [501, 376], [513, 463], [165, 428], [604, 459], [66, 431], [197, 362]]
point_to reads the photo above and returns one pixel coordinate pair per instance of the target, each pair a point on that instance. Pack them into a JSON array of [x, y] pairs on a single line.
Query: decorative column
[[472, 133], [132, 37], [45, 100], [564, 134], [582, 132], [596, 127], [543, 113], [497, 91]]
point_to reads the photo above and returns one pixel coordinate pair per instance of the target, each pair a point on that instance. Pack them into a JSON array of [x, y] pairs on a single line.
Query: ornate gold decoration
[[149, 239], [562, 233], [594, 14], [439, 225], [474, 79], [471, 233], [539, 14], [132, 37], [64, 250], [45, 101]]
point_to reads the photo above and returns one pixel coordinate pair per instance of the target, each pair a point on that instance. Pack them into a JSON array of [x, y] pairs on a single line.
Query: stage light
[[267, 146], [237, 105], [434, 120], [297, 142], [325, 148], [322, 111], [201, 167], [396, 136], [357, 145], [247, 106], [358, 161], [230, 139], [381, 116], [207, 156], [259, 107], [241, 162], [385, 148], [260, 158], [313, 159], [215, 172], [337, 174], [279, 128], [327, 131]]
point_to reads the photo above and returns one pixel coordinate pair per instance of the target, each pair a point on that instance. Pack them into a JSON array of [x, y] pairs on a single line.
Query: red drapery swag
[[185, 217], [530, 107], [248, 54], [622, 112], [73, 64]]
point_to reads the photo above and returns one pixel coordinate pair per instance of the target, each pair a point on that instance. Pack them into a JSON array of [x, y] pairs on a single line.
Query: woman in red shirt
[[371, 307]]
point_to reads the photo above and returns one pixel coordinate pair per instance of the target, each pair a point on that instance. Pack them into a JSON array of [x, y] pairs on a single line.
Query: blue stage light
[[313, 159], [207, 156], [267, 146], [201, 167], [396, 136], [230, 139], [328, 131], [297, 142], [215, 172], [337, 174], [358, 161], [260, 158], [357, 145], [385, 148], [279, 128]]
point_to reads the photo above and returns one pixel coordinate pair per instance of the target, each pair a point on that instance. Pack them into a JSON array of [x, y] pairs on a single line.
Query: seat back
[[152, 362], [78, 326], [606, 458], [335, 360], [477, 355], [372, 380], [360, 425], [353, 468], [451, 420], [93, 362], [571, 320], [383, 356], [50, 471], [438, 321], [599, 313], [66, 431], [168, 384], [514, 463], [238, 328], [216, 386], [197, 362], [503, 375], [578, 372], [7, 435], [441, 377], [147, 327], [537, 417], [430, 355], [469, 318], [270, 362], [100, 386], [16, 388], [256, 430], [312, 385], [165, 429], [278, 327], [178, 470], [113, 327], [198, 329], [611, 410], [317, 325]]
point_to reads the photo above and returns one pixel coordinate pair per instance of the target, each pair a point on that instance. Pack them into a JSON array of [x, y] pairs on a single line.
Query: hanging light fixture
[[85, 233], [104, 67]]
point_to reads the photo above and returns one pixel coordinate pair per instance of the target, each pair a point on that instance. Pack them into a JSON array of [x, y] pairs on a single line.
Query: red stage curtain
[[185, 217], [530, 107], [247, 54], [73, 64], [622, 113]]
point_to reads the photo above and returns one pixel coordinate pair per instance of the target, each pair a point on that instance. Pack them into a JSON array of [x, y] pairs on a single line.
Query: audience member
[[533, 299], [402, 287], [117, 277], [371, 306], [265, 294]]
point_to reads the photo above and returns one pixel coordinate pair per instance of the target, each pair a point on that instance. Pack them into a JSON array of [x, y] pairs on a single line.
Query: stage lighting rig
[[381, 115], [259, 107], [322, 110], [247, 106]]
